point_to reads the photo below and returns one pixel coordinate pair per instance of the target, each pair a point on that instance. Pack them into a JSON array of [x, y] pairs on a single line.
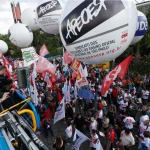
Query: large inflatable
[[20, 35], [142, 26], [28, 17], [3, 47], [48, 14], [97, 31]]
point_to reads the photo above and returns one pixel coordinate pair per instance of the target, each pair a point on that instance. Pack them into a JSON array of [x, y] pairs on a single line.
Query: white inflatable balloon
[[48, 14], [3, 47], [20, 35], [28, 17], [97, 31], [142, 26]]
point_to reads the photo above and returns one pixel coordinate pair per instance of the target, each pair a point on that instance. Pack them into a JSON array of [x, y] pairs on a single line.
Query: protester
[[59, 144]]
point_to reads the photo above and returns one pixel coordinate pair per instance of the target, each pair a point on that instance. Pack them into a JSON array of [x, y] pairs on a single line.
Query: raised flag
[[75, 64], [78, 139], [67, 58], [119, 70], [29, 55], [60, 111], [44, 65], [85, 72], [81, 79], [43, 51], [5, 63], [16, 12]]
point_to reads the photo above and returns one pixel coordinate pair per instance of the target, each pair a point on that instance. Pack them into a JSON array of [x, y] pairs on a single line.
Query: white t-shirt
[[143, 128], [129, 122], [93, 125], [127, 96], [144, 118], [147, 142], [145, 94], [123, 104], [100, 114], [105, 123], [127, 139], [92, 144], [68, 131]]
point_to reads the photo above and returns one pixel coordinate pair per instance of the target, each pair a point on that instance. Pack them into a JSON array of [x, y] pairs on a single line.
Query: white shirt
[[127, 139], [123, 104], [68, 131], [100, 114], [92, 144], [105, 123], [143, 128], [147, 142], [93, 125], [129, 122], [127, 96], [144, 118], [145, 94]]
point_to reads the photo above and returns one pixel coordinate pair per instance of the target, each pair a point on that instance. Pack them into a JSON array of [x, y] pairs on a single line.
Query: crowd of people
[[113, 117]]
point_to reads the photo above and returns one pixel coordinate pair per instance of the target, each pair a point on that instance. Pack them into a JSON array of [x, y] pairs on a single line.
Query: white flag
[[78, 139], [29, 55], [60, 111], [85, 71]]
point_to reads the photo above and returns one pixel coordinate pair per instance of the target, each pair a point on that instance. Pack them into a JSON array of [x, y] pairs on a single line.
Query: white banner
[[60, 111], [78, 139], [29, 55]]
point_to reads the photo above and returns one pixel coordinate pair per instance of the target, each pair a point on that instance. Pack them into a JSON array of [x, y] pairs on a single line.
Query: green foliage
[[13, 50], [52, 42]]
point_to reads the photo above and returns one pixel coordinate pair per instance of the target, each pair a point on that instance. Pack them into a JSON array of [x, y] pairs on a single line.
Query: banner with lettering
[[29, 55], [60, 111], [75, 64], [119, 70], [80, 78], [78, 139]]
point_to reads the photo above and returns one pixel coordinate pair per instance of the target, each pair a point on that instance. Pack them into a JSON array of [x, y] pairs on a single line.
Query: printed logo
[[112, 75], [47, 7], [142, 26], [88, 15]]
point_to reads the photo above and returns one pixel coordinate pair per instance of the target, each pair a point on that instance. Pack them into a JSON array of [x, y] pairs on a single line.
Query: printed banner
[[60, 111], [119, 70], [29, 55], [78, 139], [81, 79], [75, 64]]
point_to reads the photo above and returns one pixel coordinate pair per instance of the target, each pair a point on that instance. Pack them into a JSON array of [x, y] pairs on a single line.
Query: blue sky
[[6, 18]]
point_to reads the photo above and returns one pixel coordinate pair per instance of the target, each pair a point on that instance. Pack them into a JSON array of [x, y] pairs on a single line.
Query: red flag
[[62, 77], [75, 64], [44, 65], [119, 70], [59, 96], [125, 64], [5, 62], [67, 57], [31, 80], [74, 75], [43, 50], [53, 78]]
